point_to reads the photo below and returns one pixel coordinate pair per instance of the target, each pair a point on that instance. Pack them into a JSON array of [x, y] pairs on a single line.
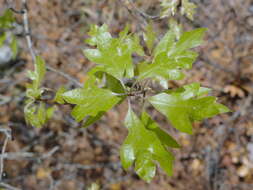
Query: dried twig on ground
[[7, 134]]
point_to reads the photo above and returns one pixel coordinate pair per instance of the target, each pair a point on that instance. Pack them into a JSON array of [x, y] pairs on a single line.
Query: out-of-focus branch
[[7, 133], [7, 186], [141, 13], [24, 12]]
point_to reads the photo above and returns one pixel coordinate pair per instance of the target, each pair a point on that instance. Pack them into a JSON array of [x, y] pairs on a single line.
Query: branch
[[27, 30], [71, 79], [8, 136], [143, 14], [7, 186], [7, 133]]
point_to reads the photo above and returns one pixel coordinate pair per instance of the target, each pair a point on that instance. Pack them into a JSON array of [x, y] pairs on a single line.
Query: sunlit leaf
[[171, 56], [182, 107], [145, 146], [114, 54], [90, 101]]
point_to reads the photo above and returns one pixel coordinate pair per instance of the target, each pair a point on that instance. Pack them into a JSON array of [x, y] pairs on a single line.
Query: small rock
[[195, 164], [243, 171]]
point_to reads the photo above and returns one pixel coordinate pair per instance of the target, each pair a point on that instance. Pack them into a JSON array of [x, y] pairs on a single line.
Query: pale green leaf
[[37, 115], [165, 43], [149, 36], [169, 7], [188, 9], [175, 27], [40, 70], [99, 36], [41, 114], [7, 19]]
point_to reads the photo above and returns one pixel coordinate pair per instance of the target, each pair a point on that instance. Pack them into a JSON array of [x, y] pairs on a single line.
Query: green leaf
[[136, 149], [99, 36], [92, 119], [149, 36], [183, 106], [40, 70], [38, 74], [175, 27], [90, 101], [188, 9], [114, 54], [50, 112], [158, 71], [114, 84], [7, 19], [41, 114], [33, 90], [165, 43], [188, 40], [29, 111], [37, 115], [169, 7], [58, 96], [171, 56], [111, 82], [164, 137], [2, 39], [14, 47]]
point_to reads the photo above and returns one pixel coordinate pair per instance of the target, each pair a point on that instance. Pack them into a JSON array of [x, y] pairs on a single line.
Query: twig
[[19, 156], [4, 99], [132, 93], [143, 20], [7, 134], [29, 155], [143, 14], [27, 30], [12, 8], [7, 186], [50, 153], [74, 81]]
